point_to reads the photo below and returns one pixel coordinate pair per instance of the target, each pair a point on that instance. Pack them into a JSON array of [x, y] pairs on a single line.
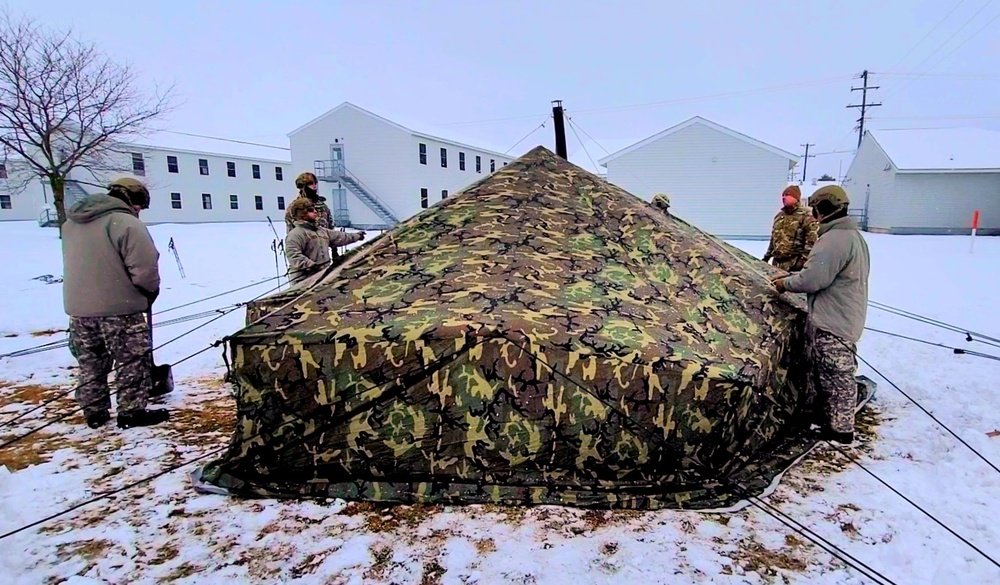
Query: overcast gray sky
[[486, 71]]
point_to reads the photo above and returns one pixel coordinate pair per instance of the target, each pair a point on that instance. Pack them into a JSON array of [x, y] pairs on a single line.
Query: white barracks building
[[373, 173]]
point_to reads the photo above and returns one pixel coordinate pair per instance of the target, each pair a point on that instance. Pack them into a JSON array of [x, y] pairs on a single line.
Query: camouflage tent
[[541, 337]]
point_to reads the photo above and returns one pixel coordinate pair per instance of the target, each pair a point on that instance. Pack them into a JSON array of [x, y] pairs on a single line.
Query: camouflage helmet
[[297, 210], [661, 201], [304, 179], [834, 195], [131, 190]]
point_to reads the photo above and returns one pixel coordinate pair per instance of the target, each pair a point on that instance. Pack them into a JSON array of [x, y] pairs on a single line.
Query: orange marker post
[[975, 226]]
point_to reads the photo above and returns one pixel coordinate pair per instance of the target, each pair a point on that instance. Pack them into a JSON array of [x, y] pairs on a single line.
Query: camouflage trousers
[[833, 365], [101, 343]]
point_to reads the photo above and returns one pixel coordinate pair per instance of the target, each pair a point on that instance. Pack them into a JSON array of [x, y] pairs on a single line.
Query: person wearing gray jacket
[[835, 280], [308, 246], [110, 279]]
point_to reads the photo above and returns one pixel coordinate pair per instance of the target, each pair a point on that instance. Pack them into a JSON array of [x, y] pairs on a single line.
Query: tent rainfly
[[542, 337]]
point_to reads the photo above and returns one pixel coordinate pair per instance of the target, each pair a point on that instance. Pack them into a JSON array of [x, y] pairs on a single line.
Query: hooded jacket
[[110, 263], [307, 248], [835, 280]]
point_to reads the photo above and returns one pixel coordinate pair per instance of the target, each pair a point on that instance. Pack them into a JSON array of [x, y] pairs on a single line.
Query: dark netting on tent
[[542, 337]]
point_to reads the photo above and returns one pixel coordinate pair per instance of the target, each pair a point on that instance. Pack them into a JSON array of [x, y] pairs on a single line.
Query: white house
[[189, 179], [927, 181], [719, 180], [376, 172]]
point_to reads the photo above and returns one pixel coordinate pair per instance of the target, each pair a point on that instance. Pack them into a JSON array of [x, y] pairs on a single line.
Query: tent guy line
[[79, 385]]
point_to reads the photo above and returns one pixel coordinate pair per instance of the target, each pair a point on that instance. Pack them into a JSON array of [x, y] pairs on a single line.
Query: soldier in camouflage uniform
[[793, 234], [835, 280], [308, 188], [309, 247], [662, 202], [111, 278]]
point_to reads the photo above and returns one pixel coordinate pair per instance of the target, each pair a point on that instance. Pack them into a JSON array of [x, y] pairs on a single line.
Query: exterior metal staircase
[[72, 192], [332, 170]]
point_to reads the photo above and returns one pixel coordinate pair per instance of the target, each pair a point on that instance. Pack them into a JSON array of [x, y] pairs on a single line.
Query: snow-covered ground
[[164, 531]]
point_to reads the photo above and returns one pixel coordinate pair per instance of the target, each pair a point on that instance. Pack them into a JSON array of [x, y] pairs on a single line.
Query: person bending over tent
[[308, 245], [835, 280]]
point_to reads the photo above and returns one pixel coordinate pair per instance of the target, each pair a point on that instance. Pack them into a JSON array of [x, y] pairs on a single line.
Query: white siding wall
[[436, 178], [191, 184], [386, 159], [944, 203], [373, 151], [717, 182], [867, 177], [25, 196]]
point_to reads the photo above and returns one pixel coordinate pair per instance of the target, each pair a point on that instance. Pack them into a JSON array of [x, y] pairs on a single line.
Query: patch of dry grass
[[753, 556]]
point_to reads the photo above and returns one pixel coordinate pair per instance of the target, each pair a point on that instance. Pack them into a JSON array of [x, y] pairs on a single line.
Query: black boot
[[142, 418], [842, 439], [97, 420]]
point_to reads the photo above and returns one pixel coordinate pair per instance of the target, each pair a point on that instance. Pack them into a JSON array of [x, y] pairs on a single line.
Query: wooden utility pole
[[864, 105], [805, 163], [557, 115]]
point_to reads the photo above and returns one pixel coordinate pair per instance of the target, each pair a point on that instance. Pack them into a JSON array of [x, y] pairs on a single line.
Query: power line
[[765, 89], [941, 46], [924, 38], [227, 140], [536, 129]]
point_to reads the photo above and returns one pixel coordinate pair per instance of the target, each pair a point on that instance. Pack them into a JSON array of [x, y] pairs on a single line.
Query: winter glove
[[766, 258]]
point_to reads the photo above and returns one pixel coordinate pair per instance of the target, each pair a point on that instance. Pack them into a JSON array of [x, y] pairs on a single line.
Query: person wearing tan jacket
[[110, 279], [308, 246], [835, 280]]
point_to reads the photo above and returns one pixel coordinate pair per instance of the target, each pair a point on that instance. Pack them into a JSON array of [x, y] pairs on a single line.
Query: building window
[[461, 161], [175, 200], [444, 193], [138, 165], [479, 164], [234, 202], [258, 202], [423, 153], [172, 164], [3, 171], [277, 174], [423, 198], [281, 202], [203, 166], [231, 169], [504, 164], [444, 158], [493, 165], [5, 202], [206, 201], [256, 171]]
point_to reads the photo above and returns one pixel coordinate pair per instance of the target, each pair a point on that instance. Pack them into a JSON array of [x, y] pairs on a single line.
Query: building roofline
[[916, 171], [210, 153], [410, 131], [793, 158]]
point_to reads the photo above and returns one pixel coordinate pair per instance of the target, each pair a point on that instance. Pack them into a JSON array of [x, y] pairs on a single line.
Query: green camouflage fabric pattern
[[542, 337], [792, 238]]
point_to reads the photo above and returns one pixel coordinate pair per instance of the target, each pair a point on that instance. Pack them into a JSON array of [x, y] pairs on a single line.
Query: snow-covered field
[[164, 531]]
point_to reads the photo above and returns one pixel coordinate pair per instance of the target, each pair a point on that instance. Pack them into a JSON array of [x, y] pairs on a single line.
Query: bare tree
[[65, 106]]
